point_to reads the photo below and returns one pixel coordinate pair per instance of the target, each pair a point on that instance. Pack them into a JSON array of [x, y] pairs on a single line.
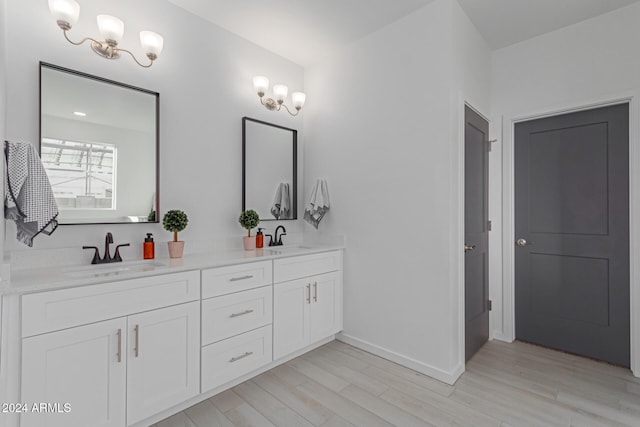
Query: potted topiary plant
[[249, 219], [175, 221]]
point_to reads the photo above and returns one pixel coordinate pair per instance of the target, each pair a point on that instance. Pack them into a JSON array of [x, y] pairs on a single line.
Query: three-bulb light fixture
[[66, 14], [261, 84]]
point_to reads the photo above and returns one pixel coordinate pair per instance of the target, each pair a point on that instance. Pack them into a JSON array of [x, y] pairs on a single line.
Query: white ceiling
[[505, 22], [305, 31]]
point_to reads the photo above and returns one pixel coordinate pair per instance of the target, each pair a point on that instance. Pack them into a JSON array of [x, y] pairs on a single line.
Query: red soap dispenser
[[259, 238], [148, 247]]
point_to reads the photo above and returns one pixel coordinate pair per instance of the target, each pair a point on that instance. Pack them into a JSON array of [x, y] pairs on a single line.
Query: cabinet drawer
[[235, 278], [229, 315], [234, 357], [61, 309], [306, 265]]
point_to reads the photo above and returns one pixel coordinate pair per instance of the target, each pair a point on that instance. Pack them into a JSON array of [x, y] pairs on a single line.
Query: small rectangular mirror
[[99, 144], [269, 170]]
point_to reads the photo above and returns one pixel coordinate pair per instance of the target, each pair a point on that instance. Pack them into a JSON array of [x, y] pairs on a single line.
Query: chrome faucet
[[108, 239], [277, 241]]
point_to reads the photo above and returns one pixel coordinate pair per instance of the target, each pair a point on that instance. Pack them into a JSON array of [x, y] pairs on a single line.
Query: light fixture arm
[[109, 52], [81, 41], [289, 111], [273, 105], [135, 59]]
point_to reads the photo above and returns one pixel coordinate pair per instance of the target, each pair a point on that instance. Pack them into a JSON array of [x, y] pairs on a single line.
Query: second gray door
[[572, 232]]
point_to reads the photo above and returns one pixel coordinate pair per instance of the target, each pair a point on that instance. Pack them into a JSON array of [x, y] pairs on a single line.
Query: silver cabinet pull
[[136, 349], [235, 359], [119, 354], [241, 314], [235, 279], [309, 293], [468, 248], [315, 291], [522, 242]]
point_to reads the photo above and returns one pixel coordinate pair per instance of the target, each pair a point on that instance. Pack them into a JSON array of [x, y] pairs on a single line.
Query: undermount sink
[[112, 269], [287, 248]]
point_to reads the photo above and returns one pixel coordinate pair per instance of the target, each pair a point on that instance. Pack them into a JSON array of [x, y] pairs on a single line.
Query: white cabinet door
[[84, 367], [290, 317], [325, 309], [163, 359]]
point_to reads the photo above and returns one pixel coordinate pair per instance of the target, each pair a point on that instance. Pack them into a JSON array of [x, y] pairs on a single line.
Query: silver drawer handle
[[235, 359], [235, 279], [119, 354], [136, 349], [241, 314]]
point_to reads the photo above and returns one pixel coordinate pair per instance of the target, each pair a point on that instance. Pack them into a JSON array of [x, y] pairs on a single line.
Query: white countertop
[[51, 278]]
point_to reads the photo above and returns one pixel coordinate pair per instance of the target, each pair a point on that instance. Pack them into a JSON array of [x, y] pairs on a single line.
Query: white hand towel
[[28, 199], [318, 204], [281, 202]]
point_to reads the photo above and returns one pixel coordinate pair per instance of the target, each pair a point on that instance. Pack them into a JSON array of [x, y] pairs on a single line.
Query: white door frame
[[508, 212]]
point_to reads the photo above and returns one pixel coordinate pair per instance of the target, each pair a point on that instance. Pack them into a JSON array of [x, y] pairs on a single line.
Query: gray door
[[572, 232], [476, 227]]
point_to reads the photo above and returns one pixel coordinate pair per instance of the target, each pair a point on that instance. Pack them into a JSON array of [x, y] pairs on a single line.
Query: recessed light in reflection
[[79, 113]]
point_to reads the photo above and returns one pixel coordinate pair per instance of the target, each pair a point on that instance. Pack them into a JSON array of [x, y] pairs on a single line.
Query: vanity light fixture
[[261, 84], [66, 13]]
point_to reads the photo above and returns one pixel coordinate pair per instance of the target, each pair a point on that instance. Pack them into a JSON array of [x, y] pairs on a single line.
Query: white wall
[[382, 129], [591, 62], [3, 108], [204, 80]]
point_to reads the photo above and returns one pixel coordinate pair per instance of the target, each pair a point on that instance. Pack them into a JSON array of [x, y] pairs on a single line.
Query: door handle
[[468, 248], [522, 242]]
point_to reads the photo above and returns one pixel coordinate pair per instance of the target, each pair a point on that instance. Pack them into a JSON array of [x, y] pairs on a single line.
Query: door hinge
[[490, 144], [489, 225], [489, 305]]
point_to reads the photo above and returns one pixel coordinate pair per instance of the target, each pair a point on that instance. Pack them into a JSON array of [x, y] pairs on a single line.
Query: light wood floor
[[504, 385]]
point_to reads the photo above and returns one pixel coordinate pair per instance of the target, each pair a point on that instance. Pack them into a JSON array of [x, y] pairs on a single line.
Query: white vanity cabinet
[[309, 308], [112, 372], [133, 352]]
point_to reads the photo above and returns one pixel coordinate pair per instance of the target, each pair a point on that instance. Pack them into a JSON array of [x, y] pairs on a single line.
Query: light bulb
[[65, 12], [111, 29], [152, 44], [260, 85], [280, 93], [298, 99]]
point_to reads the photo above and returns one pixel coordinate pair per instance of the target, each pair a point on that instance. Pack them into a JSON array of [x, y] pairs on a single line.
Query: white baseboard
[[423, 368], [502, 337]]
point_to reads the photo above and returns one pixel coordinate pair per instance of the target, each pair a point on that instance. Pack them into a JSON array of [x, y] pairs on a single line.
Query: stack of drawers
[[237, 316]]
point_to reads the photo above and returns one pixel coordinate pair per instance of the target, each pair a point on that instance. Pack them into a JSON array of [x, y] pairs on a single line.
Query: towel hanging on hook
[[318, 204], [29, 200]]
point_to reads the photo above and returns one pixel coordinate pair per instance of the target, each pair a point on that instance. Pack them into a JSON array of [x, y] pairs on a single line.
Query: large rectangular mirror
[[99, 144], [269, 170]]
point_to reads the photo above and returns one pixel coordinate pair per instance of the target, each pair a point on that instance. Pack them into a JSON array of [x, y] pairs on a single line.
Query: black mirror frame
[[295, 167], [112, 82]]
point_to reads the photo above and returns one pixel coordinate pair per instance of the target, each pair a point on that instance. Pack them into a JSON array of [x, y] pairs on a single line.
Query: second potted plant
[[175, 221], [249, 219]]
